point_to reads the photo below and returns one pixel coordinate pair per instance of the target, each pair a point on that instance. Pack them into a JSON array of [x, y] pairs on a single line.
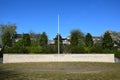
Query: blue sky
[[93, 16]]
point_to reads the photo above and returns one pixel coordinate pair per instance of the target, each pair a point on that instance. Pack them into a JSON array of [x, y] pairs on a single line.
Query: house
[[66, 41], [51, 42], [17, 37], [96, 39]]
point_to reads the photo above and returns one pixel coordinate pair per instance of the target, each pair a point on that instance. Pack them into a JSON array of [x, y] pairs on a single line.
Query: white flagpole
[[58, 37]]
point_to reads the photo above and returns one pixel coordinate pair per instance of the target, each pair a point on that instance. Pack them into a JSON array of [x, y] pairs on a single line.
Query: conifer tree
[[43, 39], [107, 42], [88, 40]]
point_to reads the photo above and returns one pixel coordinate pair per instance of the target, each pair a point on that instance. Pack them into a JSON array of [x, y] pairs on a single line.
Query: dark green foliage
[[26, 40], [6, 39], [77, 49], [88, 40], [76, 37], [43, 39], [88, 49], [66, 49], [61, 48], [49, 49], [117, 54], [19, 43], [107, 41], [73, 49], [108, 51], [77, 41], [35, 39], [23, 49], [60, 39], [16, 49], [97, 49], [34, 49], [60, 42]]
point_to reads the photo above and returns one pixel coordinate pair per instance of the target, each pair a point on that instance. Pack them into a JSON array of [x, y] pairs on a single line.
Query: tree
[[60, 39], [7, 30], [60, 42], [19, 43], [88, 40], [26, 40], [11, 28], [35, 38], [76, 37], [6, 39], [107, 42], [43, 39], [116, 38]]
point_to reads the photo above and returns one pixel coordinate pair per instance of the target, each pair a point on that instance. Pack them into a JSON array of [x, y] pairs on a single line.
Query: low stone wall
[[18, 58]]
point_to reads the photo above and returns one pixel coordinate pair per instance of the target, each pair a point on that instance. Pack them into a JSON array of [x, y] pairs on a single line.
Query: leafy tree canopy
[[76, 37], [11, 28], [6, 39], [7, 32]]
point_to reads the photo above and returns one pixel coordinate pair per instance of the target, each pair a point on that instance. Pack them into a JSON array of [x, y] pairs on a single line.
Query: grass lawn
[[60, 71]]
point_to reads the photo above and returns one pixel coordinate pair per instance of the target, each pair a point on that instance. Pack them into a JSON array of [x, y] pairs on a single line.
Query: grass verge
[[60, 71]]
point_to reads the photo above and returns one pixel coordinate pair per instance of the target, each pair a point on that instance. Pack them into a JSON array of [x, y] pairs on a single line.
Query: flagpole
[[58, 37]]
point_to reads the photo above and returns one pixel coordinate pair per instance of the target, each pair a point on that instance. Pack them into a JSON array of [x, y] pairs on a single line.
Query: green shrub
[[66, 49], [77, 49], [34, 49], [88, 49], [117, 54], [97, 49], [16, 49], [49, 49], [108, 51]]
